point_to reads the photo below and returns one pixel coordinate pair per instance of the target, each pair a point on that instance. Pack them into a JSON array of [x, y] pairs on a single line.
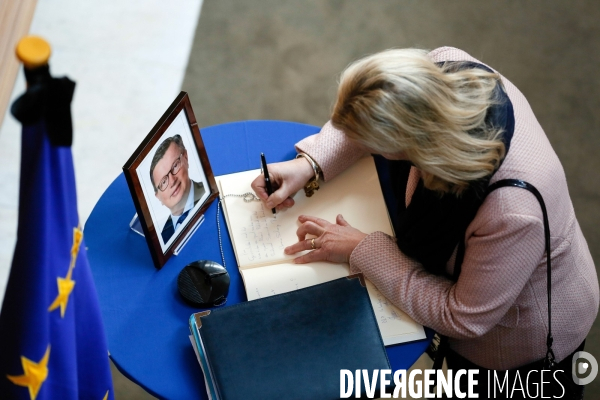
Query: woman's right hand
[[286, 179]]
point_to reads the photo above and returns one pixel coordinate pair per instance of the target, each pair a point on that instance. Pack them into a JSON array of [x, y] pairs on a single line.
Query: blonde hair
[[401, 101]]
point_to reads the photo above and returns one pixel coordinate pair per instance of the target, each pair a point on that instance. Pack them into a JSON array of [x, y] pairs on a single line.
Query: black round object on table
[[204, 283]]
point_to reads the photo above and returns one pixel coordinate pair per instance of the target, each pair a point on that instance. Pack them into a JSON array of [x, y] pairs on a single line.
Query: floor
[[267, 59]]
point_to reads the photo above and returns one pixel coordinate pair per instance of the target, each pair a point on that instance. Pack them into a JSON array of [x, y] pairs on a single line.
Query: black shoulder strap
[[527, 186], [461, 252]]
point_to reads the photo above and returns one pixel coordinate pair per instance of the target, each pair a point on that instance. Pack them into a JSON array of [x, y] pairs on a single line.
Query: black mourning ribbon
[[430, 228], [48, 99]]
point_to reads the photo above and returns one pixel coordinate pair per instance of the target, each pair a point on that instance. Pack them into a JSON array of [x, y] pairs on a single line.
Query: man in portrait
[[172, 184]]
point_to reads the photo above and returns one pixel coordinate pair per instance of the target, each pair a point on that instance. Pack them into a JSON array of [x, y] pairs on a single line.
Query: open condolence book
[[259, 238]]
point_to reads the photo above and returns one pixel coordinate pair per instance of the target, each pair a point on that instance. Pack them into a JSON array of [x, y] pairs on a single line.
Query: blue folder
[[289, 346]]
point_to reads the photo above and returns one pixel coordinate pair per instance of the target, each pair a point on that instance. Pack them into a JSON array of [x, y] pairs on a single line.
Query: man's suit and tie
[[169, 228]]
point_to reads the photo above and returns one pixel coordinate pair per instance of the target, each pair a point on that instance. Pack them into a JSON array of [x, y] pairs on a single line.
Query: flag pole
[[51, 330]]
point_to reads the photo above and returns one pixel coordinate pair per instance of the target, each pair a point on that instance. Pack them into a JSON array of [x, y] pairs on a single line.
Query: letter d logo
[[584, 368]]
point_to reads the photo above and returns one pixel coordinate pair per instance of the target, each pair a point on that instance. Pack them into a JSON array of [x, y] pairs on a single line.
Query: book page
[[394, 324], [283, 278], [256, 233], [259, 236]]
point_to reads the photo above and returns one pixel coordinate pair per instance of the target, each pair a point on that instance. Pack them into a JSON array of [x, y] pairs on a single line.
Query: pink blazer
[[496, 313]]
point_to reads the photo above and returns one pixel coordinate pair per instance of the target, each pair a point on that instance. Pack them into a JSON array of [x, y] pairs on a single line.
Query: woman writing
[[450, 127]]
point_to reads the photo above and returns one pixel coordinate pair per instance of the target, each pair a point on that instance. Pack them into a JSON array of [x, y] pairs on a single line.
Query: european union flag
[[51, 333]]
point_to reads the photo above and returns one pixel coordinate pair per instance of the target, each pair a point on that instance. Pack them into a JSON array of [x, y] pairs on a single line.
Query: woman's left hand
[[333, 242]]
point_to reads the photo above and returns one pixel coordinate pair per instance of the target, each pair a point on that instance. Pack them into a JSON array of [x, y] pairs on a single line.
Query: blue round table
[[145, 319]]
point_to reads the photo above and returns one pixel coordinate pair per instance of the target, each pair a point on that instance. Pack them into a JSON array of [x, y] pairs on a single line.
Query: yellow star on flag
[[34, 374], [105, 396], [65, 287], [77, 238]]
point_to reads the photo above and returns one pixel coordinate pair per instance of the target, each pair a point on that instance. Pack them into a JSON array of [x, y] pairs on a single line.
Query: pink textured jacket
[[496, 313]]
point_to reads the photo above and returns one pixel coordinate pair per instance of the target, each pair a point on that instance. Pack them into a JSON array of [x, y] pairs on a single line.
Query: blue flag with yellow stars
[[52, 339]]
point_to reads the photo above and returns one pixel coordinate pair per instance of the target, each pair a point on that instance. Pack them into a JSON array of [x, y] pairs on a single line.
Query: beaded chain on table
[[248, 198]]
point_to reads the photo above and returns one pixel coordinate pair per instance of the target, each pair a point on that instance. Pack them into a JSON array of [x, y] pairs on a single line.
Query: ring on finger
[[312, 244]]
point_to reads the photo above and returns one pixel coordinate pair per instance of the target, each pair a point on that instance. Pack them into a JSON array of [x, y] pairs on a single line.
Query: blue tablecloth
[[146, 320]]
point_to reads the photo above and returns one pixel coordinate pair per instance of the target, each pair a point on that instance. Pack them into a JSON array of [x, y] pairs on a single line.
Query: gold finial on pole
[[33, 51]]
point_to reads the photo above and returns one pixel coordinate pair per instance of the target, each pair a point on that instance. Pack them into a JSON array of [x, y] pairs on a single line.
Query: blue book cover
[[291, 345]]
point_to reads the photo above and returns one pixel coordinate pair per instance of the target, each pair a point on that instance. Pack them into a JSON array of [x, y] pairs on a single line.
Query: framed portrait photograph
[[170, 180]]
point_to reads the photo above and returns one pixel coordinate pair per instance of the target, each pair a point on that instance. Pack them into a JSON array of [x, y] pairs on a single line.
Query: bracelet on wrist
[[313, 183]]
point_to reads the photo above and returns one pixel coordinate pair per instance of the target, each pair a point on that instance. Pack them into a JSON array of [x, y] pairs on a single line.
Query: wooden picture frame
[[171, 180]]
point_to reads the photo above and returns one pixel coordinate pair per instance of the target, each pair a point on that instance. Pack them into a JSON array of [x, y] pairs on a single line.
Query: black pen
[[267, 180]]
